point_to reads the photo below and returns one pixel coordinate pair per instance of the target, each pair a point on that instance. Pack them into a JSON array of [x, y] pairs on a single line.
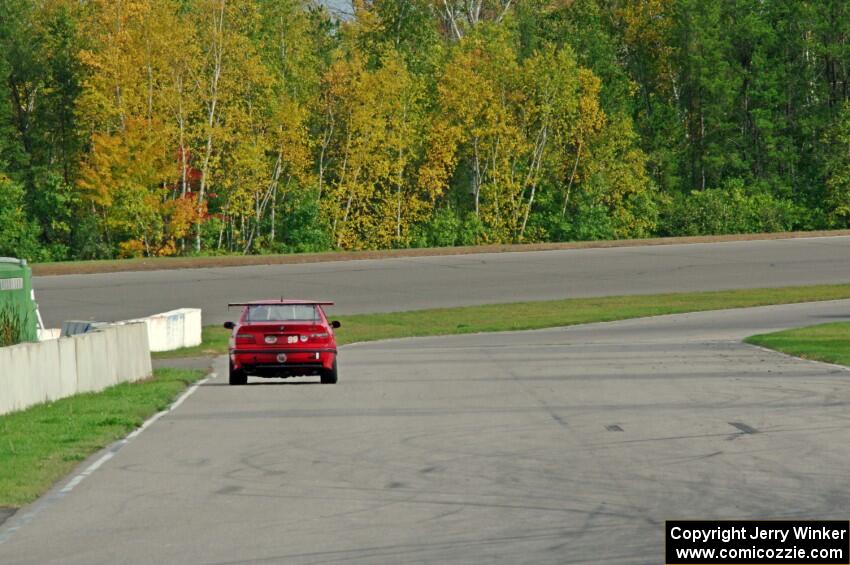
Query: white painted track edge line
[[20, 521]]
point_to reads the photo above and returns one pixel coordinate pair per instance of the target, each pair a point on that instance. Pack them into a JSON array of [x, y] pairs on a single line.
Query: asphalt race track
[[432, 282], [556, 446]]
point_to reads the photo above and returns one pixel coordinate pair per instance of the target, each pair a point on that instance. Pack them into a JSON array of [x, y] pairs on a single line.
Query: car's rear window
[[282, 313]]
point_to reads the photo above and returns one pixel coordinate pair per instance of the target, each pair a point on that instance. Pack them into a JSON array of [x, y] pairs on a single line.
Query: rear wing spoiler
[[278, 303]]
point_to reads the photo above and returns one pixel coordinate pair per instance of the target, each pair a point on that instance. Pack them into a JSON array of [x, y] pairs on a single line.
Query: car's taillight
[[244, 338]]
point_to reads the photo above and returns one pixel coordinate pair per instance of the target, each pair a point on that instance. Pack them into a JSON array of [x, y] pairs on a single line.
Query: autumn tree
[[286, 43], [371, 201], [125, 177], [140, 78]]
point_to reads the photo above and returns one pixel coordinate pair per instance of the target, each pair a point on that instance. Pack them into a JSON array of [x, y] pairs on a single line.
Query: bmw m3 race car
[[282, 338]]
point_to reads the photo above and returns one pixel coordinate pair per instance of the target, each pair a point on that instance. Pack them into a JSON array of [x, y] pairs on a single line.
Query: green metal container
[[16, 296]]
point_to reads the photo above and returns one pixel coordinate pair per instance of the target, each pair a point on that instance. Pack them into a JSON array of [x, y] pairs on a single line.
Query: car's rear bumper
[[297, 359], [286, 350]]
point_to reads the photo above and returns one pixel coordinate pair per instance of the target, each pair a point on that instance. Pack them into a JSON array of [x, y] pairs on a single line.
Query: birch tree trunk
[[534, 174], [212, 106], [572, 178]]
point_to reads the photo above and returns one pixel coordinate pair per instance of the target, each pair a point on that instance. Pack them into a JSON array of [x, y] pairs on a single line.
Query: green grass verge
[[40, 445], [213, 342], [825, 342], [537, 315]]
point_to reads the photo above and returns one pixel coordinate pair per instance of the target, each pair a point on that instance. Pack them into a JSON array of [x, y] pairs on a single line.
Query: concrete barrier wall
[[49, 333], [174, 329], [191, 326], [32, 373]]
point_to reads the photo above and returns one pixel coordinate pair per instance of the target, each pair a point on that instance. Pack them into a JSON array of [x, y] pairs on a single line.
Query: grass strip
[[824, 342], [537, 315], [42, 444], [213, 342]]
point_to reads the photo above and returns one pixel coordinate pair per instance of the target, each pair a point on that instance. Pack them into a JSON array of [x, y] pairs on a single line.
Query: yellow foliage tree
[[511, 128], [377, 117], [127, 178], [139, 94]]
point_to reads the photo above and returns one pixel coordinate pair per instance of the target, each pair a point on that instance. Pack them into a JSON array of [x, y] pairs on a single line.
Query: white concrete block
[[135, 361], [192, 326], [67, 366], [108, 345], [8, 380], [45, 357], [173, 329], [49, 333], [5, 380], [90, 368]]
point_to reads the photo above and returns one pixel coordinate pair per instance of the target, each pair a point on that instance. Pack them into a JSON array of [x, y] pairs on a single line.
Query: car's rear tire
[[237, 376], [329, 376]]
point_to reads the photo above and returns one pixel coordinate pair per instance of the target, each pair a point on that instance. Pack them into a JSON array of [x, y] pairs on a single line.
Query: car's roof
[[282, 302]]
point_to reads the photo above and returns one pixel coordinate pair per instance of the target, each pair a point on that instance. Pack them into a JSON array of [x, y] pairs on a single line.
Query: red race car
[[282, 338]]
